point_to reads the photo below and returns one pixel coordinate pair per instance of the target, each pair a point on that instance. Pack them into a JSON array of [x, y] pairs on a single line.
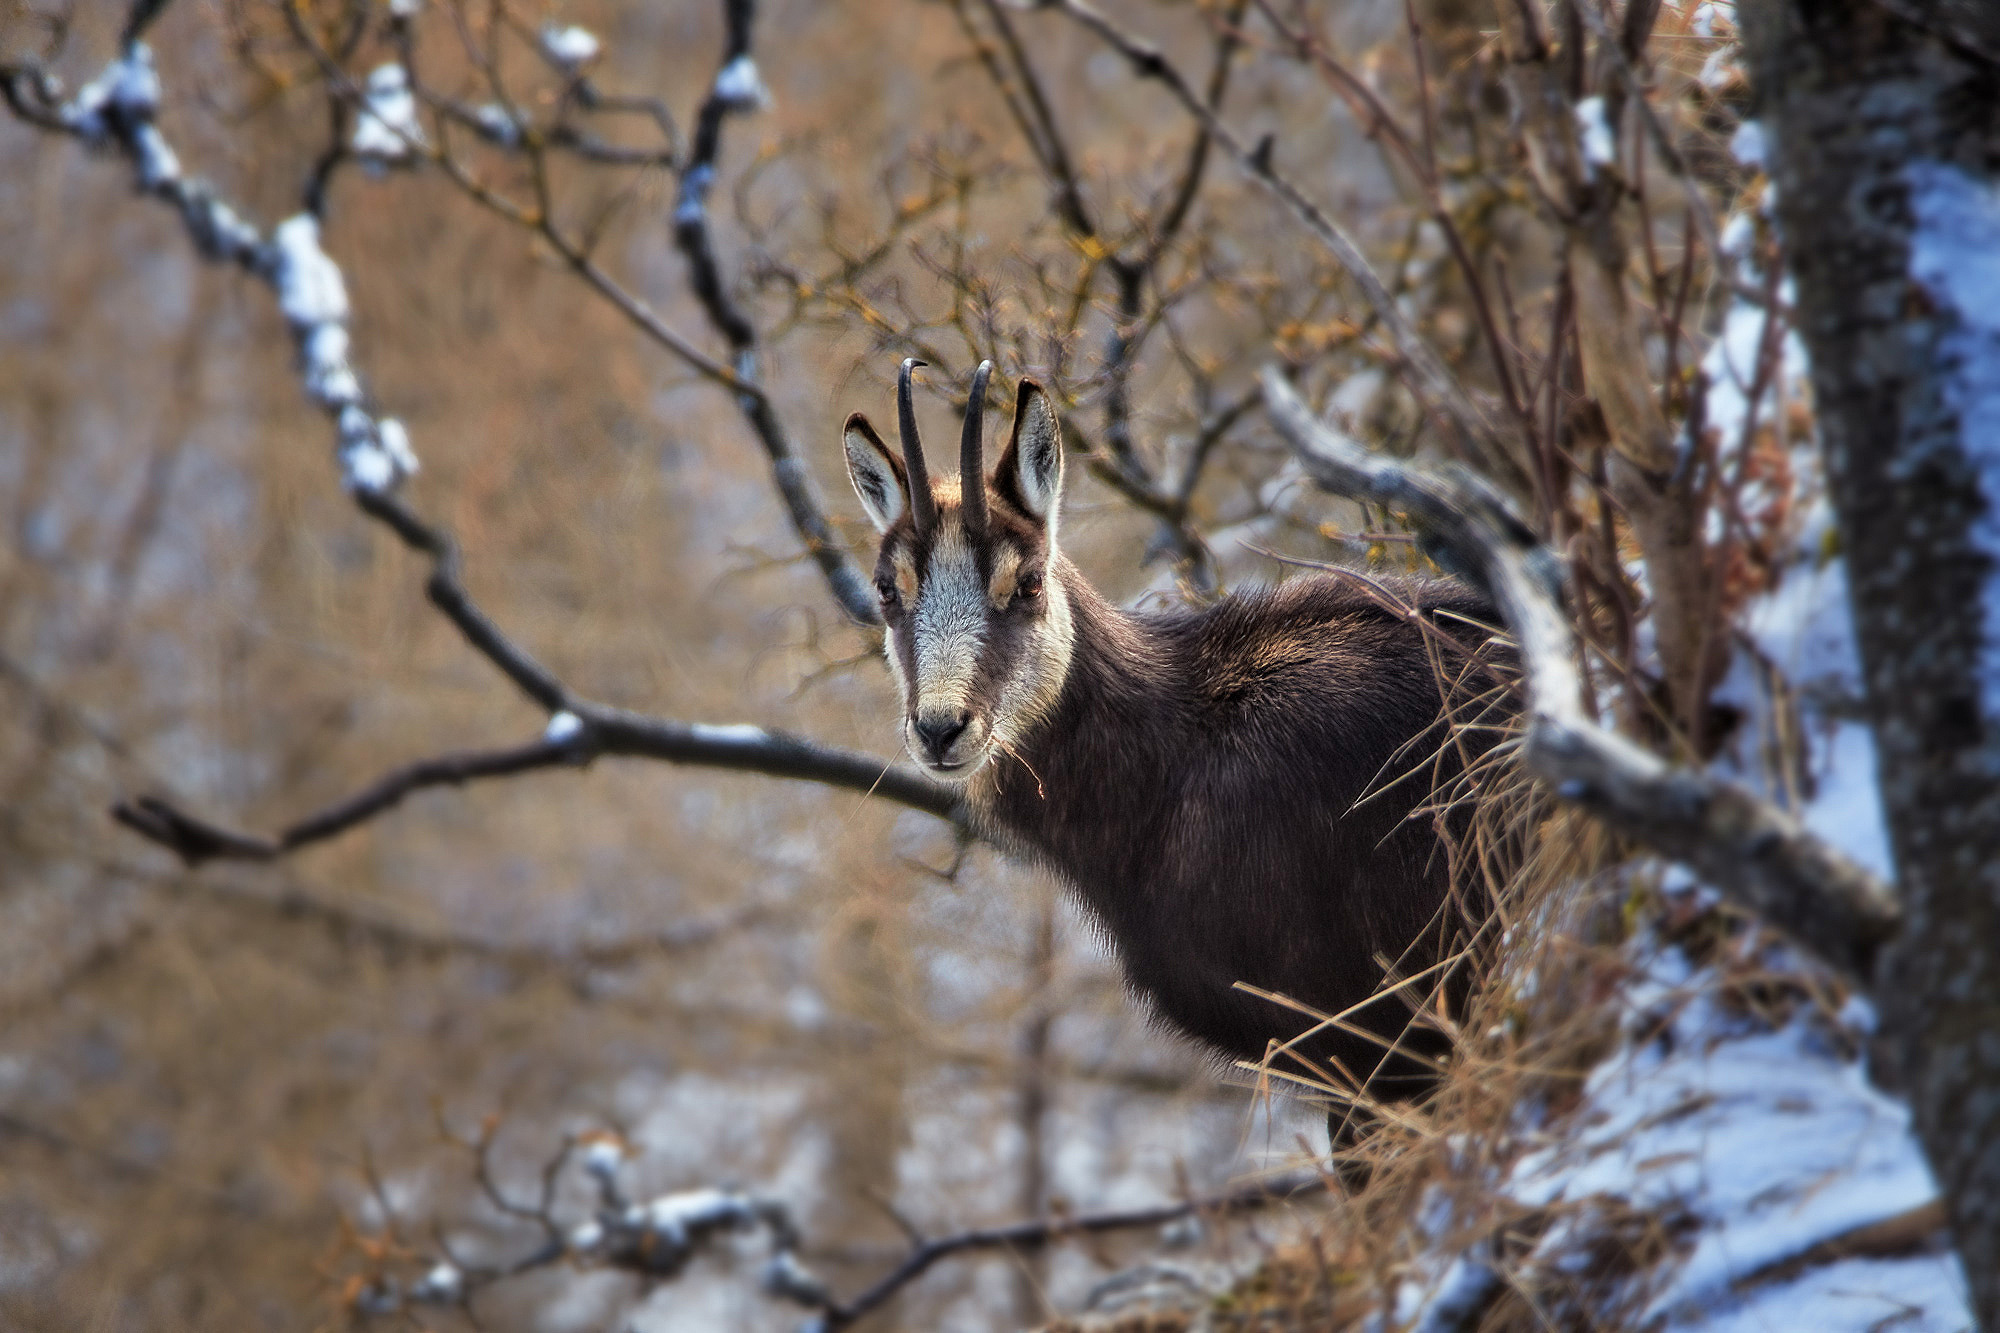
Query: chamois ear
[[877, 474], [1030, 475]]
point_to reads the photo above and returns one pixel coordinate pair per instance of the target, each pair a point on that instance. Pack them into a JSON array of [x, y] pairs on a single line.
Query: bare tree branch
[[1432, 378], [120, 108], [590, 730], [736, 89], [598, 731], [657, 1238], [1034, 1235], [1757, 854]]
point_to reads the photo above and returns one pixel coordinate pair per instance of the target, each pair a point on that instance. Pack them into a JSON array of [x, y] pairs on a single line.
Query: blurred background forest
[[221, 1083]]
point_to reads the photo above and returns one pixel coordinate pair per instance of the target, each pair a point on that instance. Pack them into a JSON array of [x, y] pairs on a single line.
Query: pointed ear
[[876, 473], [1030, 475]]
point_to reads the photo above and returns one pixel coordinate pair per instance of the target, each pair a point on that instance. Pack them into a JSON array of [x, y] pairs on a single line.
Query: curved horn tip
[[911, 363]]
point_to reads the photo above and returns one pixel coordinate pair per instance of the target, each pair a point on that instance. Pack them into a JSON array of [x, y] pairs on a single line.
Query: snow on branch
[[118, 110], [387, 129], [657, 1238], [570, 48], [578, 731], [571, 52], [1751, 850]]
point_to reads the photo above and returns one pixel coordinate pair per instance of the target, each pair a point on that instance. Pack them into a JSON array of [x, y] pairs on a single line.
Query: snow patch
[[693, 196], [443, 1285], [387, 129], [563, 728], [395, 441], [310, 288], [1955, 257], [498, 124], [739, 88], [1594, 136], [158, 164], [374, 456], [1731, 363], [330, 381], [1805, 628], [737, 733], [128, 87], [1769, 1141], [571, 47], [1721, 69], [1714, 19], [1925, 1294], [1748, 145], [786, 1278], [218, 231], [677, 1219]]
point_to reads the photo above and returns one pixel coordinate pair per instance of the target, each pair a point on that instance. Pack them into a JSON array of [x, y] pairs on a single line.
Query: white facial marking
[[1036, 682], [949, 622]]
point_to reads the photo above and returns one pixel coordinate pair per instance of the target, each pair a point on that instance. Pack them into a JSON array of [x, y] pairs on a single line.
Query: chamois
[[1219, 785]]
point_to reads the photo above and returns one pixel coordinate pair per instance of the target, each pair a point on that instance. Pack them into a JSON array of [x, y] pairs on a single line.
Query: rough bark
[[1861, 98]]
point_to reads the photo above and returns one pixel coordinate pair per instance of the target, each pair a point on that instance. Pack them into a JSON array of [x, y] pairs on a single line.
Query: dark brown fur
[[1197, 787]]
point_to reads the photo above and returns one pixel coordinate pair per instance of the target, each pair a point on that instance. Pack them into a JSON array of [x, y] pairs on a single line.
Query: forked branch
[[1755, 853], [656, 1239], [119, 109], [600, 731], [579, 731], [1430, 378]]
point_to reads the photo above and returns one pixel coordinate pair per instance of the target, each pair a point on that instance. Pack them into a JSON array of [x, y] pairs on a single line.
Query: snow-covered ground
[[1757, 1142]]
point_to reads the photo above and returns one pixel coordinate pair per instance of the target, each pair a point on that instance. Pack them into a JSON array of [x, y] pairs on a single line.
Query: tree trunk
[[1886, 133]]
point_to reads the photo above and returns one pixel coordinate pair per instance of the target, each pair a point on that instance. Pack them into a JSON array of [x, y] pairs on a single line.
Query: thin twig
[[1434, 381]]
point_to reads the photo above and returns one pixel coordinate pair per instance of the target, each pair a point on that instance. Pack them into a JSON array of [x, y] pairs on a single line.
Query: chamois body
[[1229, 789], [1220, 787]]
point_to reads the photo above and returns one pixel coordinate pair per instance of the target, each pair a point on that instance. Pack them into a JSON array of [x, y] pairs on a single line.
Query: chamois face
[[979, 629]]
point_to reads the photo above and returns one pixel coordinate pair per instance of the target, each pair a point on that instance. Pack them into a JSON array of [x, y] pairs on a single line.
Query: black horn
[[923, 509], [971, 466]]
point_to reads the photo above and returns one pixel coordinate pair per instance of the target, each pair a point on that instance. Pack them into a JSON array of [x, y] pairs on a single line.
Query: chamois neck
[[1117, 721], [1115, 653]]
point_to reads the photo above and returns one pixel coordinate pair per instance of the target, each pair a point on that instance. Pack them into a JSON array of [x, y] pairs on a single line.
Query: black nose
[[937, 733]]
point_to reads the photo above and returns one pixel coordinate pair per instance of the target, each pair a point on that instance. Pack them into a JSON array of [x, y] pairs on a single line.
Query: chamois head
[[979, 628]]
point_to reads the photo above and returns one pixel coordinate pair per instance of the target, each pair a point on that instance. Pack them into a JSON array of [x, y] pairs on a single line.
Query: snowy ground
[[1764, 1142]]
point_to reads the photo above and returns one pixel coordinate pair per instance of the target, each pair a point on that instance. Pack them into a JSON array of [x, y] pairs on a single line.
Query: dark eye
[[887, 589], [1029, 587]]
